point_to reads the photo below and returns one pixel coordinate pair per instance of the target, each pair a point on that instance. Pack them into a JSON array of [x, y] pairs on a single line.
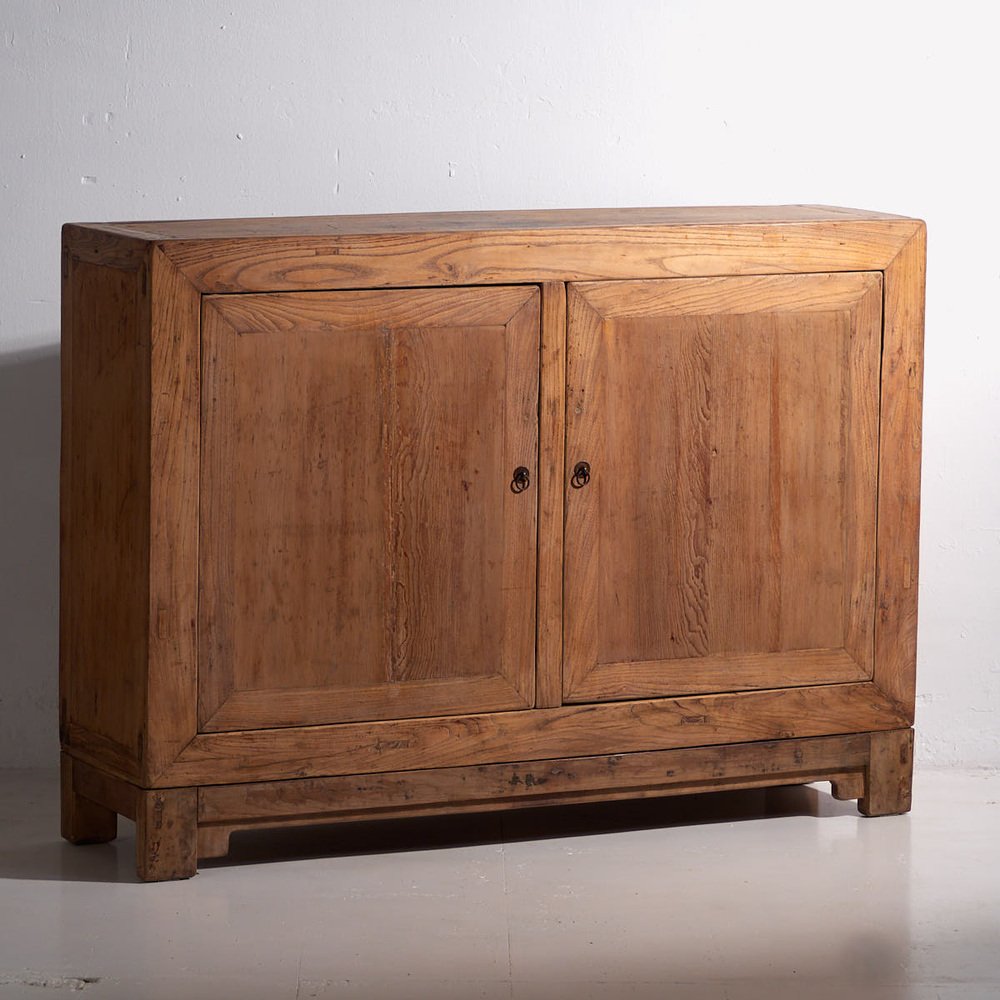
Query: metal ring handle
[[521, 480], [581, 475]]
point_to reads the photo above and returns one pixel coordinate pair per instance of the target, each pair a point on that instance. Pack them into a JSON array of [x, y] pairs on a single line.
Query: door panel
[[725, 540], [362, 554]]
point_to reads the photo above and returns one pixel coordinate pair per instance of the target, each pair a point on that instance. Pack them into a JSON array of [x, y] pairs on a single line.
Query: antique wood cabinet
[[393, 515]]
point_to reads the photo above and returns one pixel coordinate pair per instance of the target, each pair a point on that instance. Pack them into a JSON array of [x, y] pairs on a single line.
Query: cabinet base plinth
[[176, 826]]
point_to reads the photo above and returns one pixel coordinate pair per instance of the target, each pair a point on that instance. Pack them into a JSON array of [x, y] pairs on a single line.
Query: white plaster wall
[[193, 108]]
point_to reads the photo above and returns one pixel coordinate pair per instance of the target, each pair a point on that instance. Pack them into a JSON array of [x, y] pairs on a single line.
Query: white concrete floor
[[736, 896]]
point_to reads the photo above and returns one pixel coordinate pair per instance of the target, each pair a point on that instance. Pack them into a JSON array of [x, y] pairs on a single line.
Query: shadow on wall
[[29, 557]]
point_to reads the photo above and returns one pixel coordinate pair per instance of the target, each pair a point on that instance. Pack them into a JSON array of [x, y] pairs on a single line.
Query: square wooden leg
[[889, 780], [166, 834], [83, 821]]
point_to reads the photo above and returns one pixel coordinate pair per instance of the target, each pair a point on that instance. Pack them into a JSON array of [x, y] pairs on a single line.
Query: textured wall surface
[[193, 108]]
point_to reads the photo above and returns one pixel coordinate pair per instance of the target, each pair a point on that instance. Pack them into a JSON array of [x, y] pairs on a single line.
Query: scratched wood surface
[[547, 782], [726, 539], [889, 780], [166, 834], [363, 554]]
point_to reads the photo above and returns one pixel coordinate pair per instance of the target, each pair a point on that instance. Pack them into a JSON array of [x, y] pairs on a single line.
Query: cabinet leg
[[82, 820], [890, 774], [166, 834]]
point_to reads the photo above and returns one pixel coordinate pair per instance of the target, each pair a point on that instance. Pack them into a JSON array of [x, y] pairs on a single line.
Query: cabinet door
[[363, 552], [726, 537]]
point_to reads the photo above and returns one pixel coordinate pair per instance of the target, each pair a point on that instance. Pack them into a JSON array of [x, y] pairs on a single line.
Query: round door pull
[[521, 480], [581, 475]]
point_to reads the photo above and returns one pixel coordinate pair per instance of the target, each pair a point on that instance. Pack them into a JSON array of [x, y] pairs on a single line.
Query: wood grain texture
[[541, 782], [551, 477], [98, 751], [502, 257], [899, 474], [83, 820], [166, 834], [716, 672], [458, 222], [174, 498], [104, 505], [104, 247], [213, 841], [889, 778], [726, 539], [120, 796], [728, 663], [363, 555], [860, 474], [850, 785], [571, 731]]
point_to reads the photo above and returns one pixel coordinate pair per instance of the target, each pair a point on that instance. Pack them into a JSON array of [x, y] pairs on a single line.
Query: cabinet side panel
[[104, 513], [899, 475]]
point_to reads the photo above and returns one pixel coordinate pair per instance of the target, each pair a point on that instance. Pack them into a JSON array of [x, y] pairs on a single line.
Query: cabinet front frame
[[181, 271]]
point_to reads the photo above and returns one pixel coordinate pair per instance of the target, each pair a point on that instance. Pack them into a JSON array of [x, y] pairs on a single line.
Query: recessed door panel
[[362, 553], [725, 539]]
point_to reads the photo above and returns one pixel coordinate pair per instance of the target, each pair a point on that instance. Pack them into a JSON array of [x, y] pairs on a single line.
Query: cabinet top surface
[[457, 222]]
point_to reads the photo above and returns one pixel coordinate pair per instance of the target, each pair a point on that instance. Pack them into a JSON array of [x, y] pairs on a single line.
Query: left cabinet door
[[365, 552]]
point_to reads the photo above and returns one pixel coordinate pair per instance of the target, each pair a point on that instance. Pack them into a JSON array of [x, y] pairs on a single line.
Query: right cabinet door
[[724, 538]]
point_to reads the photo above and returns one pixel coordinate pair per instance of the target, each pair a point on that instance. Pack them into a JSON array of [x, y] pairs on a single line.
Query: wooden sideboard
[[393, 515]]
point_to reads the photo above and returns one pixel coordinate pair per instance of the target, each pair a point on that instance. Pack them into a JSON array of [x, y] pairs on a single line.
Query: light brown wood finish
[[890, 774], [363, 553], [84, 820], [551, 479], [898, 542], [300, 263], [725, 540], [175, 398], [95, 784], [571, 731], [213, 841], [104, 505], [131, 361], [541, 782], [848, 786], [166, 834], [431, 223], [174, 828]]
